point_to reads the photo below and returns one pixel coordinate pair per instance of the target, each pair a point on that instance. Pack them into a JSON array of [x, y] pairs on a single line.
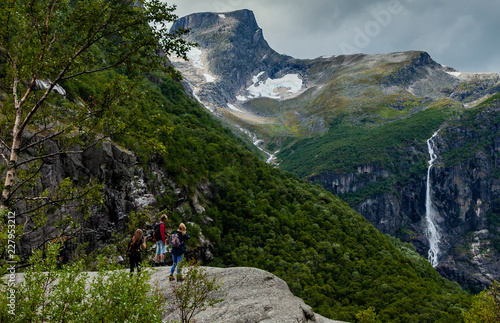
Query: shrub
[[53, 292], [485, 306], [196, 292]]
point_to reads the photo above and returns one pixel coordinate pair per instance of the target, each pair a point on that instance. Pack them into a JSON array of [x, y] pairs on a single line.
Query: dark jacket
[[179, 251], [134, 250]]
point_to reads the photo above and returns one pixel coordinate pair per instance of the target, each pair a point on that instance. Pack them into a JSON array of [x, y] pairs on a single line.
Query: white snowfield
[[271, 88], [456, 74], [209, 78], [194, 55]]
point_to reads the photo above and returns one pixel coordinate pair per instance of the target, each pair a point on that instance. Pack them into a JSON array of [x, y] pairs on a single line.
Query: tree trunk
[[12, 165]]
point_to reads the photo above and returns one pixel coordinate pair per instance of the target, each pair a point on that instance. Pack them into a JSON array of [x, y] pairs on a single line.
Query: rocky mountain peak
[[239, 23], [289, 105], [236, 33], [231, 57]]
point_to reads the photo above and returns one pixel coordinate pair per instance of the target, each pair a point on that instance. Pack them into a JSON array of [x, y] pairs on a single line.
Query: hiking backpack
[[133, 248], [175, 241], [155, 234]]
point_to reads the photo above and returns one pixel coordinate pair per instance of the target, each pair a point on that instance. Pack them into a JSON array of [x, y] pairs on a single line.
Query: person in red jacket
[[160, 244]]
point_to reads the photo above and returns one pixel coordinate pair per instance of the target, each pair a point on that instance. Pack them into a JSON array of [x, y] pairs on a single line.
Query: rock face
[[127, 187], [231, 53], [467, 197], [250, 295], [465, 187]]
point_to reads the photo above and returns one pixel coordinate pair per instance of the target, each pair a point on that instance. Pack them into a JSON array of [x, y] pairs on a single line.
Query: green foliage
[[481, 127], [367, 316], [140, 219], [196, 292], [343, 148], [485, 306], [52, 292]]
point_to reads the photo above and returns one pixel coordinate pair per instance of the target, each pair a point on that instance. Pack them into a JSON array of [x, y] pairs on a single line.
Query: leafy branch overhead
[[46, 43]]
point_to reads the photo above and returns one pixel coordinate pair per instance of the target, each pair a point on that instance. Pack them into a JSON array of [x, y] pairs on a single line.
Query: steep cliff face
[[231, 50], [466, 187], [127, 186]]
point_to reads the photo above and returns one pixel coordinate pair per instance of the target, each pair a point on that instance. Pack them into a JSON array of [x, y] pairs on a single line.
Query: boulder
[[250, 295]]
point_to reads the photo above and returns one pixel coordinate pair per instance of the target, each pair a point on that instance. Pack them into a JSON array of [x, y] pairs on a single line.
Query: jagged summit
[[231, 51], [236, 24], [234, 66]]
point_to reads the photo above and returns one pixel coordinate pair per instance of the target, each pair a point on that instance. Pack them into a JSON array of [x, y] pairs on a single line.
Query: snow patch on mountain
[[194, 55], [271, 88], [232, 107], [456, 74], [209, 78]]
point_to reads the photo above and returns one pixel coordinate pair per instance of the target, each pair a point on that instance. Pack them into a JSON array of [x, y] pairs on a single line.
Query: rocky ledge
[[250, 295]]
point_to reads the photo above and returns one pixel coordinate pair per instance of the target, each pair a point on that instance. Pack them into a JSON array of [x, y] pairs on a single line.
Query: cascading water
[[271, 157], [432, 230]]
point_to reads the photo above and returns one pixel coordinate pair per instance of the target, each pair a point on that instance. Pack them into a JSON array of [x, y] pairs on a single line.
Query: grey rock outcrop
[[128, 186], [250, 295]]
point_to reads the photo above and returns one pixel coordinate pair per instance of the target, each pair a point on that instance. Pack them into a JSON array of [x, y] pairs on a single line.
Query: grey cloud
[[458, 33]]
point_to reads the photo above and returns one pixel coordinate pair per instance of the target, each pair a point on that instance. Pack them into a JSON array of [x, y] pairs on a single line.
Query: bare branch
[[4, 158], [35, 198], [42, 140], [4, 144], [48, 156], [20, 184], [55, 202], [96, 70]]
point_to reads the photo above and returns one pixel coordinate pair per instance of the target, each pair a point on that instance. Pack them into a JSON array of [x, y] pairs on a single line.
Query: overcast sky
[[463, 34]]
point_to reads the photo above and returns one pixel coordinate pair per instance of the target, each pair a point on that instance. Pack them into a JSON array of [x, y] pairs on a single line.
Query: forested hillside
[[262, 217]]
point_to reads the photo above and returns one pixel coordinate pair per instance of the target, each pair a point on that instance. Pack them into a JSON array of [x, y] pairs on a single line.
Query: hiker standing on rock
[[161, 241], [178, 242], [134, 250]]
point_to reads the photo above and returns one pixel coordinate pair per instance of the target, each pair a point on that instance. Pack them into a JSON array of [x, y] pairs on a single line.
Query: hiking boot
[[171, 278], [157, 264], [180, 278]]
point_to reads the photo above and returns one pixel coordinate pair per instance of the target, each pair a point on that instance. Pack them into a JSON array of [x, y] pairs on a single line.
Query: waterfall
[[271, 157], [432, 230]]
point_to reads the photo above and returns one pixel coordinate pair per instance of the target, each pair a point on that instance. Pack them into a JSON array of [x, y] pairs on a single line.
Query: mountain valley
[[358, 125]]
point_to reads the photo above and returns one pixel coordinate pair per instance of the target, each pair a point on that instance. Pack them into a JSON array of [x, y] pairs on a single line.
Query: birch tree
[[46, 42]]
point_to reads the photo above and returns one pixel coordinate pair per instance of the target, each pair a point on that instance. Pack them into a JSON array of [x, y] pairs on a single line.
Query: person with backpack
[[134, 250], [160, 235], [178, 243]]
